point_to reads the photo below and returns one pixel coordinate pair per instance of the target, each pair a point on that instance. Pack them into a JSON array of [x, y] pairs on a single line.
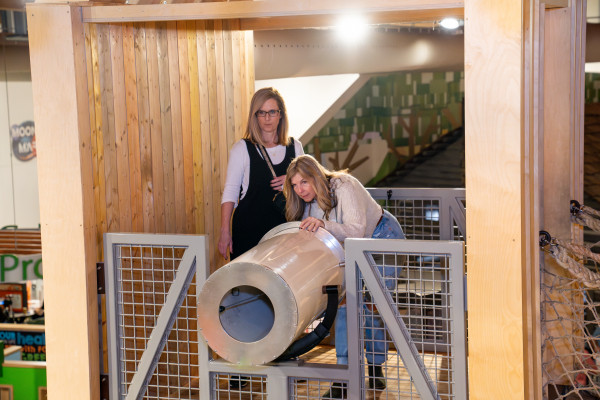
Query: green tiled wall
[[592, 88], [383, 99], [401, 95]]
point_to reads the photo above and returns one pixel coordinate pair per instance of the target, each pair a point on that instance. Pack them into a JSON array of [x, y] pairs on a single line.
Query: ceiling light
[[449, 23], [351, 28]]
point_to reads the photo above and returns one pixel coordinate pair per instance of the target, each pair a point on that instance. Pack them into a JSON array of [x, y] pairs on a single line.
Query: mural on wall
[[393, 117], [592, 88], [389, 120], [23, 141]]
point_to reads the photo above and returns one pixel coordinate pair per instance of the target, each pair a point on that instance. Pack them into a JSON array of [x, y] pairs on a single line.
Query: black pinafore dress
[[255, 214]]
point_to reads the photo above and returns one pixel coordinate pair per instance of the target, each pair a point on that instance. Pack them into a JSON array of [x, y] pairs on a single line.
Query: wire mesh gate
[[155, 351], [418, 288], [426, 213], [152, 333]]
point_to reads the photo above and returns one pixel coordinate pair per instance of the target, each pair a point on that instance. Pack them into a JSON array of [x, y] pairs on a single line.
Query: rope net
[[570, 310]]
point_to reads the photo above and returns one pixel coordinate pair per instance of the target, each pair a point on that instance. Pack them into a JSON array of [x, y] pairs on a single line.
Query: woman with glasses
[[250, 185], [339, 203]]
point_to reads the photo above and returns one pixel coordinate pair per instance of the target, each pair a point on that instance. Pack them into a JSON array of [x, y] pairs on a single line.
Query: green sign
[[15, 268]]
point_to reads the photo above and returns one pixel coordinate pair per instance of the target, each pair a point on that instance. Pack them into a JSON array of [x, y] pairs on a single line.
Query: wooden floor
[[398, 382]]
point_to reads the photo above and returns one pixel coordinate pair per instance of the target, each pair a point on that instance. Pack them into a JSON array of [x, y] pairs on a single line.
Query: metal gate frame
[[193, 262], [451, 207], [280, 377], [357, 263]]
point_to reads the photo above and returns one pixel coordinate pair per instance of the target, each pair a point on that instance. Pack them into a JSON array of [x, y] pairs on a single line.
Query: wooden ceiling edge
[[322, 21], [556, 4], [404, 9], [12, 5]]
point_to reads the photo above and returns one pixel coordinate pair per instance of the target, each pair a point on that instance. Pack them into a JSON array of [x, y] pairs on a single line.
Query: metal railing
[[426, 214], [156, 351]]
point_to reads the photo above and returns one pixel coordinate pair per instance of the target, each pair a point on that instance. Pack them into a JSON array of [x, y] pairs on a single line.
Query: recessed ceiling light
[[449, 23], [351, 28]]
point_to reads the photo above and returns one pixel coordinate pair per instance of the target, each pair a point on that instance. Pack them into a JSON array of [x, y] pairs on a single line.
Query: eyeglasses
[[263, 113]]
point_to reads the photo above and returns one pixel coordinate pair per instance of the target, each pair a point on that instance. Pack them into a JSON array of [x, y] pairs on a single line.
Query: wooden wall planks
[[167, 101]]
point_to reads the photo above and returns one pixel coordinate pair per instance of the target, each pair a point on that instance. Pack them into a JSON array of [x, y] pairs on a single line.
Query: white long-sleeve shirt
[[356, 214], [238, 168]]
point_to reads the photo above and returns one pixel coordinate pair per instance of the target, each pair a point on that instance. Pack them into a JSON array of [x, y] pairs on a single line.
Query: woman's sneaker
[[238, 382], [336, 391]]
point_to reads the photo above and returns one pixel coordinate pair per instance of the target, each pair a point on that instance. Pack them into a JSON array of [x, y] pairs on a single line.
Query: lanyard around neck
[[266, 157]]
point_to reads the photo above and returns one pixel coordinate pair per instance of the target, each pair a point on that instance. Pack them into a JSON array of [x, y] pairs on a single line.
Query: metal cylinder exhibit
[[253, 308]]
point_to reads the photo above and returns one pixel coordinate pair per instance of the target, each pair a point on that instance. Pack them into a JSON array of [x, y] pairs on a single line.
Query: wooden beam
[[317, 21], [495, 198], [14, 5], [421, 9], [80, 2], [556, 188], [59, 80], [550, 4], [532, 198]]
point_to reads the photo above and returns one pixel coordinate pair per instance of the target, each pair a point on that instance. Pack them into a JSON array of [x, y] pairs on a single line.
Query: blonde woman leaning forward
[[339, 203]]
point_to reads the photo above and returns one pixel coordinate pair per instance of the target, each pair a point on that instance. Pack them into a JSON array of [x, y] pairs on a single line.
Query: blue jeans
[[376, 345]]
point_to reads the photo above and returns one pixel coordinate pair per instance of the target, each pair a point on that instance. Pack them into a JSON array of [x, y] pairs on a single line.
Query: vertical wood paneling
[[167, 100], [225, 72], [141, 70], [97, 139], [133, 139], [219, 135], [90, 44], [176, 121], [166, 125], [121, 140], [247, 73], [198, 179], [241, 94], [186, 127], [212, 134], [221, 74], [90, 139], [205, 118], [228, 86], [108, 130], [155, 128]]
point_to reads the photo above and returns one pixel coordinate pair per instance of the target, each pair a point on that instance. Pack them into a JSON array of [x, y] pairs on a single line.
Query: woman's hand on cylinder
[[277, 183], [225, 242], [311, 224]]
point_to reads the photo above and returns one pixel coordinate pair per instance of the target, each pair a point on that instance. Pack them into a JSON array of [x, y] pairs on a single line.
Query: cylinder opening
[[246, 313]]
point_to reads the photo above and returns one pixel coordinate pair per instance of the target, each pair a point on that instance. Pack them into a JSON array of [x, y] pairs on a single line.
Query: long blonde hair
[[253, 132], [318, 177]]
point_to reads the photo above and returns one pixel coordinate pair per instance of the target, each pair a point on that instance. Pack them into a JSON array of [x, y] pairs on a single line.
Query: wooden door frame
[[503, 69]]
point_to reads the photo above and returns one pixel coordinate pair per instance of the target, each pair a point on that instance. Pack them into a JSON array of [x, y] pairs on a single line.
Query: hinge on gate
[[104, 387], [100, 277]]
